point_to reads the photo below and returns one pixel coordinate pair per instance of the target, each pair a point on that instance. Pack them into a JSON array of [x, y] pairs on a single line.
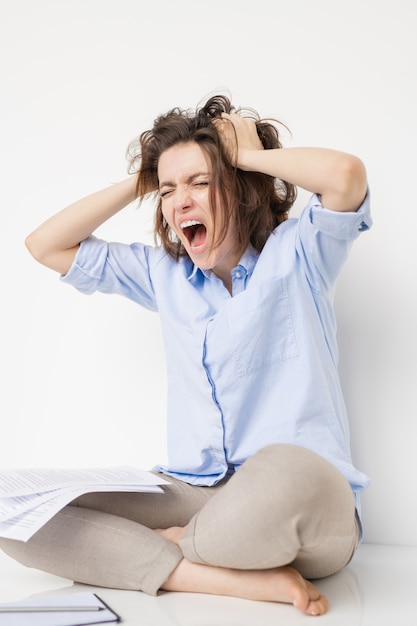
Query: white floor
[[379, 588]]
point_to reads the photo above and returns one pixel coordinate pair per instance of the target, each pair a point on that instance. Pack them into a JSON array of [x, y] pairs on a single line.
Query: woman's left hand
[[238, 135]]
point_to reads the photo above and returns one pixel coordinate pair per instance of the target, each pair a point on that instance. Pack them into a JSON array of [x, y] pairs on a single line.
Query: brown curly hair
[[257, 203]]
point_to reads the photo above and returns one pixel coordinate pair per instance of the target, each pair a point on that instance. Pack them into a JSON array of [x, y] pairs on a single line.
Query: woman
[[263, 496]]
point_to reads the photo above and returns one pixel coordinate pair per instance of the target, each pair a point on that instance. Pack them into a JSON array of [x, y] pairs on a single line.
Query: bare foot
[[282, 584]]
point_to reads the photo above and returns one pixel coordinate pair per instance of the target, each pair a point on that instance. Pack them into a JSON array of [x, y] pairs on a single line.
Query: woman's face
[[185, 176]]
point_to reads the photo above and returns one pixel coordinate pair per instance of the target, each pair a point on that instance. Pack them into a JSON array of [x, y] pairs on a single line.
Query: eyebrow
[[190, 179]]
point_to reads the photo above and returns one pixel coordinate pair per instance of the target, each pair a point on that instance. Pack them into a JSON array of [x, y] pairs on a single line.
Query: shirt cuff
[[340, 224]]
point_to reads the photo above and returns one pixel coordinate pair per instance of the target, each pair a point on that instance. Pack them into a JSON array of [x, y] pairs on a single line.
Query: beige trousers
[[285, 505]]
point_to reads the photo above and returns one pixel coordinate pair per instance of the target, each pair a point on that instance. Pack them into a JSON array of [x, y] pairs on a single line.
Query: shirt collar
[[247, 263]]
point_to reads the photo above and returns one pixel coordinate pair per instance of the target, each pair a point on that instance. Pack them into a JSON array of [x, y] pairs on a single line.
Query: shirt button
[[238, 274]]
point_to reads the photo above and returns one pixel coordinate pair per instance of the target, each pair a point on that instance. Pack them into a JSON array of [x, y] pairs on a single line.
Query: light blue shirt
[[251, 369]]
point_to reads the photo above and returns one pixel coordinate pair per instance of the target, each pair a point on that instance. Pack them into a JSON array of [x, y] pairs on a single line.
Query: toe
[[318, 606]]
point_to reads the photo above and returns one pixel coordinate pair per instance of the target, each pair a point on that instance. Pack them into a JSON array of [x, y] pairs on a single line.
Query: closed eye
[[200, 183]]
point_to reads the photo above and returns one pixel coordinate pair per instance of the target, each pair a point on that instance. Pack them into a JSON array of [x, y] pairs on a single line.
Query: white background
[[83, 378]]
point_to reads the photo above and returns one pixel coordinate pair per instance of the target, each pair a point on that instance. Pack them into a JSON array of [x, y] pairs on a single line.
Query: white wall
[[83, 378]]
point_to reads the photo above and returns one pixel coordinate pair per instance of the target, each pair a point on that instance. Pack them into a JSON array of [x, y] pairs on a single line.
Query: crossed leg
[[285, 517], [281, 584]]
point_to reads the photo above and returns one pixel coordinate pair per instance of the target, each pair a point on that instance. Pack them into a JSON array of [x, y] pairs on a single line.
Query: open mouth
[[195, 232]]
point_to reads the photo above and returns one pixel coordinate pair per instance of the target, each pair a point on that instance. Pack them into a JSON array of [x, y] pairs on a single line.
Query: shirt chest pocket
[[261, 328]]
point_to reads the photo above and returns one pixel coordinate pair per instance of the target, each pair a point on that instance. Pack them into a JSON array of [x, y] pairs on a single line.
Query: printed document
[[31, 497]]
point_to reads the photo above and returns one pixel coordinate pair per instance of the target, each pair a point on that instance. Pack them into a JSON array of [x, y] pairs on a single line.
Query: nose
[[182, 198]]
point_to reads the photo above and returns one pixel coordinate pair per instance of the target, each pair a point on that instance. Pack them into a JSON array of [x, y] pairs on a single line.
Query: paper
[[30, 497], [70, 617]]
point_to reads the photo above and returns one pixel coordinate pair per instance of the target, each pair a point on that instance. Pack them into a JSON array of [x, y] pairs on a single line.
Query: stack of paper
[[30, 497]]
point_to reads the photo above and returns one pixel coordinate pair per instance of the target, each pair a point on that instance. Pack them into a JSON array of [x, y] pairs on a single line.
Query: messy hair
[[256, 203]]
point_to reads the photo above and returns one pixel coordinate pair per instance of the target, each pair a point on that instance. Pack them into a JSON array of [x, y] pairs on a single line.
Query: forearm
[[338, 177], [55, 242]]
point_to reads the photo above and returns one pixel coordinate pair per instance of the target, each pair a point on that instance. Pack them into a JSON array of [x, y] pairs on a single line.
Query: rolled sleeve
[[86, 271], [340, 224], [115, 268], [325, 237]]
